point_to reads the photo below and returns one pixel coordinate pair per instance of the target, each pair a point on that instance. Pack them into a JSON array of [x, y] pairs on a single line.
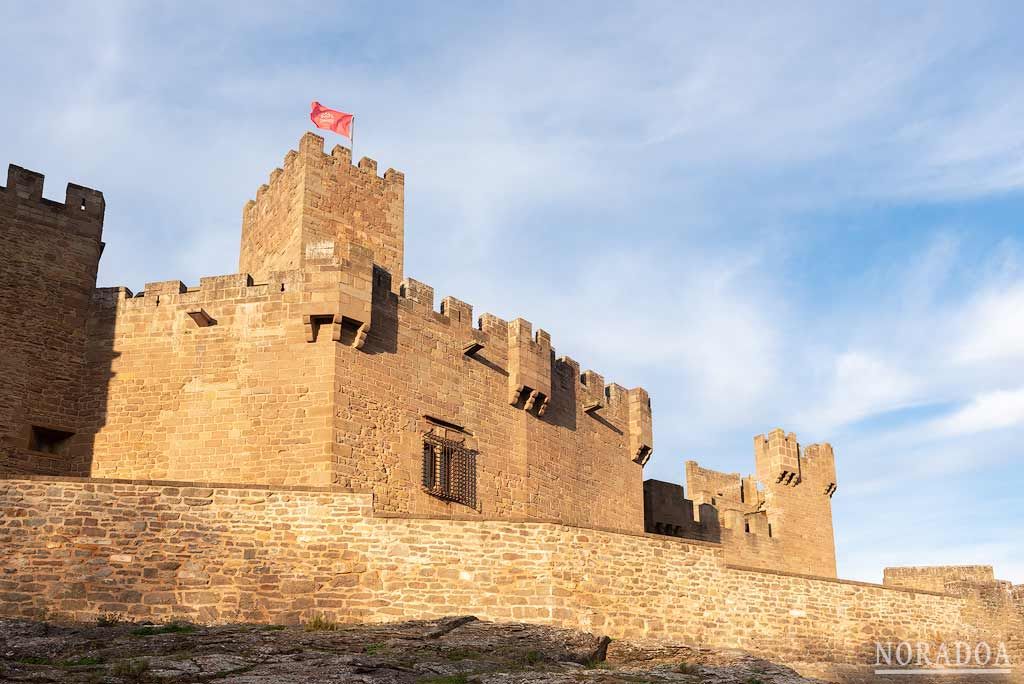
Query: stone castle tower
[[48, 262], [319, 204]]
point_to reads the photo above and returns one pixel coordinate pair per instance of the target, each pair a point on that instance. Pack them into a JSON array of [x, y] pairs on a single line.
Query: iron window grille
[[449, 470]]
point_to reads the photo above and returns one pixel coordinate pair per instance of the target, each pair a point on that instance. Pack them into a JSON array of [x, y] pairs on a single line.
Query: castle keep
[[318, 434]]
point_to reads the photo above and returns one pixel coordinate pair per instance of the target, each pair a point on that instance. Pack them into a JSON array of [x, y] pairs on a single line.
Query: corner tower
[[799, 484], [48, 263], [319, 204], [780, 519]]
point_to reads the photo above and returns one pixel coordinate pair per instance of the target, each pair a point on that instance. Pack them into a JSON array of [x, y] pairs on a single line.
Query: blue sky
[[808, 217]]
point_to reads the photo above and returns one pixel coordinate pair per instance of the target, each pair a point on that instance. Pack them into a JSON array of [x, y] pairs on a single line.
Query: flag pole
[[352, 138]]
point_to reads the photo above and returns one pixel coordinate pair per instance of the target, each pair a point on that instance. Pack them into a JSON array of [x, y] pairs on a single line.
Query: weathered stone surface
[[444, 651]]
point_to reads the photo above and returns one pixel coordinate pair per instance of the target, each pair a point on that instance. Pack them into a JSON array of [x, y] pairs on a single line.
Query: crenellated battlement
[[629, 406], [531, 359], [818, 467], [316, 204], [781, 459], [311, 154], [48, 263], [745, 531], [83, 206], [780, 519], [778, 457]]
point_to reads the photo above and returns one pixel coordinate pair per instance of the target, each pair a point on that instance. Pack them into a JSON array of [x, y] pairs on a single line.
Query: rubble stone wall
[[219, 553]]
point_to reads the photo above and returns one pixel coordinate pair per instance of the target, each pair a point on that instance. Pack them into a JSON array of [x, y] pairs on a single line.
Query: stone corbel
[[313, 323]]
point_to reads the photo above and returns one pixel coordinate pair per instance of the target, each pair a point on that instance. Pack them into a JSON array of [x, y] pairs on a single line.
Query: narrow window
[[746, 526], [429, 465], [769, 529], [49, 441], [449, 470]]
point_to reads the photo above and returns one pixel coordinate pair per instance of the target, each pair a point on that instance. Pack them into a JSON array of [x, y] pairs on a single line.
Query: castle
[[322, 364], [314, 434]]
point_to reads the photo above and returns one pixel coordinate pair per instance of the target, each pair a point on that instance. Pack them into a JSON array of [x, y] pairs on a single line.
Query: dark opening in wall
[[49, 441], [315, 323], [746, 526], [349, 330], [769, 529]]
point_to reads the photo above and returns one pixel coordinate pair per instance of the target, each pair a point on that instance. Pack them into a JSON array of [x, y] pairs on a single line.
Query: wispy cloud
[[989, 411], [994, 327]]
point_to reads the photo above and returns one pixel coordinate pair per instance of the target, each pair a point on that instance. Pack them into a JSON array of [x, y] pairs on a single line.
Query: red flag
[[332, 120]]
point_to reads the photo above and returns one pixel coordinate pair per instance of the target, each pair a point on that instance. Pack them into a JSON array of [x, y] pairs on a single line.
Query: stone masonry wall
[[935, 578], [243, 399], [49, 254], [81, 548], [249, 400]]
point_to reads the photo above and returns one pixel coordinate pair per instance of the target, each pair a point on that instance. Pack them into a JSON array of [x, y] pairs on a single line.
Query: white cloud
[[989, 411], [863, 385], [993, 327]]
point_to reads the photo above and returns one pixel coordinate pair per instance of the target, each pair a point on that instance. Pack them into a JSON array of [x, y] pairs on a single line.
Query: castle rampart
[[936, 578], [163, 551]]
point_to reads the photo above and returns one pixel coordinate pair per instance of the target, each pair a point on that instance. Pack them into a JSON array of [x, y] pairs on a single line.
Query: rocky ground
[[450, 651]]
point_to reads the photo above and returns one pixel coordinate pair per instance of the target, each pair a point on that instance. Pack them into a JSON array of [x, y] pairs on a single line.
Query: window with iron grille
[[449, 470]]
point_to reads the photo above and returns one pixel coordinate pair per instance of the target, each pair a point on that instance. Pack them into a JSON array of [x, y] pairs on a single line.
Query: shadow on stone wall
[[97, 372], [383, 335]]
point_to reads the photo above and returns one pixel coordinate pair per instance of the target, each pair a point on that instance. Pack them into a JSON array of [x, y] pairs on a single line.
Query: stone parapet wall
[[82, 548], [936, 578]]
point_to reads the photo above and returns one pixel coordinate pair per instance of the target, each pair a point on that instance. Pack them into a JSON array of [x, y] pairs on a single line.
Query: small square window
[[49, 441]]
